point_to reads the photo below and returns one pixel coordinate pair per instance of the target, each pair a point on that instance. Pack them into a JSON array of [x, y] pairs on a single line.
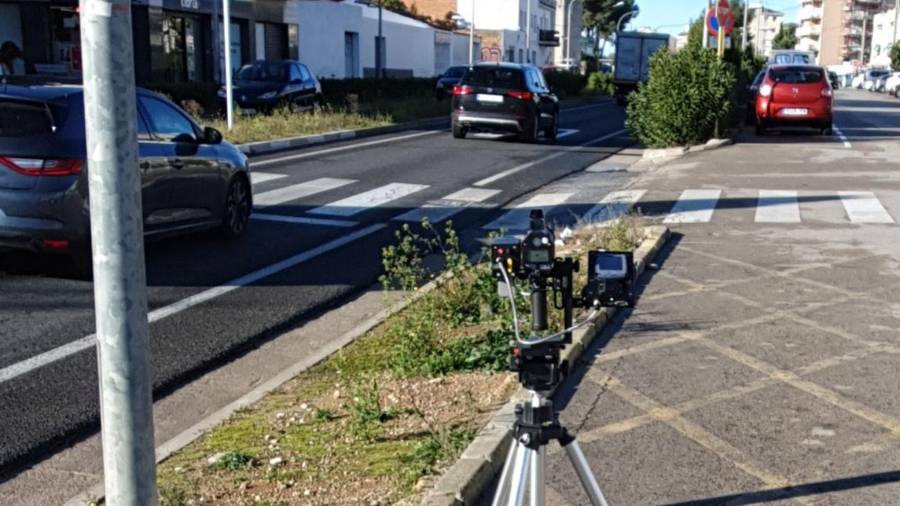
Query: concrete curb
[[483, 459], [663, 156]]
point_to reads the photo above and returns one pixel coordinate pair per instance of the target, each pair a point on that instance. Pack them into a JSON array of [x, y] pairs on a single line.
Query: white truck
[[632, 63]]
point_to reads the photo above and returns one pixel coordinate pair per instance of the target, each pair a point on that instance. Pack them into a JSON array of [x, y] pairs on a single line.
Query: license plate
[[794, 112], [488, 98]]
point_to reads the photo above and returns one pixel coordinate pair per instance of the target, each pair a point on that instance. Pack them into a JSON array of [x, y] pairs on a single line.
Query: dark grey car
[[190, 178]]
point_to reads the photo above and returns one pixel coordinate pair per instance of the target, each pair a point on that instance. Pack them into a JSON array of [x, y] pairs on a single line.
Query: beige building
[[764, 25], [838, 30]]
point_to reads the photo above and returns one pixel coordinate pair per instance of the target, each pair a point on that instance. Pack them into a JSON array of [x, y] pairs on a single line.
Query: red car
[[795, 95]]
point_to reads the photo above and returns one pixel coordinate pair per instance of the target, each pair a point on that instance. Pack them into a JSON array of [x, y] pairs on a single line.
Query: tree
[[895, 56], [786, 38], [601, 17]]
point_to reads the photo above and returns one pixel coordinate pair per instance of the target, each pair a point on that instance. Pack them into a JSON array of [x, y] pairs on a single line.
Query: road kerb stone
[[465, 481]]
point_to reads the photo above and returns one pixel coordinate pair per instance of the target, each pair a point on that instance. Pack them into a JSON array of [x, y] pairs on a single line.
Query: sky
[[671, 16]]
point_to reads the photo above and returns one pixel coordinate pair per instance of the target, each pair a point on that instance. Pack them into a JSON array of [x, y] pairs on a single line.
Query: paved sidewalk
[[761, 362]]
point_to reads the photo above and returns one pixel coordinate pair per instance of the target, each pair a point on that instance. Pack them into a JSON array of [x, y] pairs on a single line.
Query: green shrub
[[565, 83], [370, 89], [600, 82], [688, 94]]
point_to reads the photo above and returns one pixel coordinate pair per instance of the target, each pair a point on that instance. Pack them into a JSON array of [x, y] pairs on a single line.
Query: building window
[[521, 56]]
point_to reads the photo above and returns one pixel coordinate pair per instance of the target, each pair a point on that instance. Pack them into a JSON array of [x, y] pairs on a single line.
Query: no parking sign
[[724, 18]]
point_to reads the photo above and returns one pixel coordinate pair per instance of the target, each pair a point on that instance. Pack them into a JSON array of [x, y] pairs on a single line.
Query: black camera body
[[611, 277]]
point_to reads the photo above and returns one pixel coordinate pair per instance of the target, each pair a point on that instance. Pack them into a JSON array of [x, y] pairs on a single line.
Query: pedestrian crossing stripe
[[864, 207], [262, 177], [376, 197], [777, 206], [613, 206], [694, 206], [436, 211], [299, 191], [517, 218]]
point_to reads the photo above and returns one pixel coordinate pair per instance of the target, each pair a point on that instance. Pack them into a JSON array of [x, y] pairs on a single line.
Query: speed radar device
[[610, 278]]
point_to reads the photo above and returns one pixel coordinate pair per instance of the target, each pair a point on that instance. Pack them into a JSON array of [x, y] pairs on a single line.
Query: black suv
[[505, 97], [190, 178]]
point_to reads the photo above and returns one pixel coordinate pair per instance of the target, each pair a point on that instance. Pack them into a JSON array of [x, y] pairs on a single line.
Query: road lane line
[[299, 220], [517, 218], [864, 207], [585, 107], [437, 211], [842, 137], [25, 366], [300, 156], [262, 177], [777, 206], [614, 205], [694, 206], [367, 200], [564, 151], [298, 191], [565, 132]]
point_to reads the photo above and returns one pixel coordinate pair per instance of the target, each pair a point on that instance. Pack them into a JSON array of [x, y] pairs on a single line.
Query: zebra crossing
[[689, 207]]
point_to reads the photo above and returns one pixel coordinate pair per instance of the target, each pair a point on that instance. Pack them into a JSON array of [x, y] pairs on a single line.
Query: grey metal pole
[[528, 31], [568, 50], [229, 85], [120, 301], [214, 35], [862, 48], [472, 36], [379, 65], [744, 29]]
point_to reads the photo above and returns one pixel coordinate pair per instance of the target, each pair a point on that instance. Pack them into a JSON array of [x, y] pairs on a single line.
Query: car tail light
[[42, 166], [56, 244], [765, 90], [521, 95], [462, 89], [826, 92]]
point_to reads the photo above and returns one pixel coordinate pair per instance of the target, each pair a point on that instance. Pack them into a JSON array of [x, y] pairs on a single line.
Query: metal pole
[[705, 30], [760, 17], [120, 300], [472, 36], [214, 34], [896, 18], [862, 48], [568, 50], [744, 28], [229, 85], [528, 31], [379, 65]]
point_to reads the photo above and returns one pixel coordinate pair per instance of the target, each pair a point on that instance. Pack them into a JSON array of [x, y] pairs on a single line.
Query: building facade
[[764, 25], [884, 34], [839, 30], [569, 50]]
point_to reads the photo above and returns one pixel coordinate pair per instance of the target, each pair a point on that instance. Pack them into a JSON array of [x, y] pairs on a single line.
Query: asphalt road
[[331, 210]]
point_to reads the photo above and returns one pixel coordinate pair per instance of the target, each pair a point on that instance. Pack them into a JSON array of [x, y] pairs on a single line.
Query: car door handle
[[177, 163]]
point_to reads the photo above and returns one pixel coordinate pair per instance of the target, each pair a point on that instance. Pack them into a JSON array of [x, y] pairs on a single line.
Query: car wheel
[[237, 208], [552, 132], [531, 130], [459, 131]]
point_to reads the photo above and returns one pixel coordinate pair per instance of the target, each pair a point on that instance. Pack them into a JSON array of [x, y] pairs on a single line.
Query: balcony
[[807, 31], [548, 38], [810, 14]]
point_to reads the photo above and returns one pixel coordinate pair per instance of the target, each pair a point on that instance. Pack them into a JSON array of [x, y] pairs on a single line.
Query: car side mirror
[[184, 138], [212, 136]]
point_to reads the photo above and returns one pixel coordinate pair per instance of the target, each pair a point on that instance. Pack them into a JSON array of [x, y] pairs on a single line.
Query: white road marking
[[564, 151], [24, 367], [613, 206], [299, 220], [864, 207], [300, 156], [565, 132], [694, 206], [517, 218], [842, 137], [437, 211], [777, 206], [298, 191], [367, 200], [585, 107], [262, 177]]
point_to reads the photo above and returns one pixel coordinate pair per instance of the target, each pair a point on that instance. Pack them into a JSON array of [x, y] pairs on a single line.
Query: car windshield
[[455, 72], [20, 119], [791, 58], [796, 75], [269, 72], [496, 77]]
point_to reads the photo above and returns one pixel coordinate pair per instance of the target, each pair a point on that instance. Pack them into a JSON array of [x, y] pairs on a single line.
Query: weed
[[234, 461], [170, 494], [435, 448], [323, 415], [366, 412]]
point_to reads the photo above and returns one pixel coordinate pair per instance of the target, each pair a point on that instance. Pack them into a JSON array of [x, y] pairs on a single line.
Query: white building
[[883, 36], [338, 40], [809, 25], [503, 24], [764, 25], [570, 41]]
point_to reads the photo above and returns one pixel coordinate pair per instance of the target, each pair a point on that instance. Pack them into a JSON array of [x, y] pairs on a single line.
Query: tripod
[[536, 425]]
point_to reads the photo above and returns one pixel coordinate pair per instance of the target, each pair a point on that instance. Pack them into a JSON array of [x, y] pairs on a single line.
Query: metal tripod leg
[[536, 478], [591, 488], [519, 476], [503, 485]]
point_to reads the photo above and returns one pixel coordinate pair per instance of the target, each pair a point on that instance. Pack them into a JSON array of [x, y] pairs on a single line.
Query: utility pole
[[527, 31], [472, 36], [568, 48], [379, 65], [214, 35], [120, 299], [744, 28], [705, 30], [229, 85], [862, 48]]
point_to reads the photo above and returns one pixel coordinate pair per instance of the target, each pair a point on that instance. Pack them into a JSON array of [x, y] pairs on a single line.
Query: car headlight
[[269, 94]]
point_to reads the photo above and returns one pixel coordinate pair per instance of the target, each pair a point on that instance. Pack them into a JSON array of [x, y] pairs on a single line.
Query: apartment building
[[884, 34], [502, 26], [569, 49], [764, 25], [838, 30]]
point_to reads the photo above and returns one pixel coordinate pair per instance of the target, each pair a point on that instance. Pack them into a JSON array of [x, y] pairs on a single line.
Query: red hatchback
[[794, 95]]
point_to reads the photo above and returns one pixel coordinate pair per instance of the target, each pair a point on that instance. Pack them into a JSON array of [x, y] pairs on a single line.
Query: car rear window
[[455, 72], [797, 75], [497, 78], [21, 119]]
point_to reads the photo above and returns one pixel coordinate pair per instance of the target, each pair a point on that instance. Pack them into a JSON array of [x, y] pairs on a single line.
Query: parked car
[[752, 92], [795, 95], [858, 81], [447, 80], [190, 178], [872, 77], [891, 83], [834, 79], [266, 86], [879, 83], [505, 97]]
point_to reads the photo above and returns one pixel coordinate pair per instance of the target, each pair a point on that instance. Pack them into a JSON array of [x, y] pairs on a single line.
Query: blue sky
[[664, 13]]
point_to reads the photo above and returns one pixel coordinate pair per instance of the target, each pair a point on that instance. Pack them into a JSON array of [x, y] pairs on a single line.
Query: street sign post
[[720, 23]]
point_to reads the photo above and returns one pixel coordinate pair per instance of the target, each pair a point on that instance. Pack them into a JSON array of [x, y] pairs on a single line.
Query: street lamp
[[568, 49], [461, 23], [632, 12]]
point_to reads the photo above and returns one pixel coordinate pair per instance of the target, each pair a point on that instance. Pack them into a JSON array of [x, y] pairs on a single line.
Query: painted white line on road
[[24, 367], [864, 207], [298, 191], [565, 132], [585, 107], [437, 211], [517, 218], [299, 220], [777, 206], [842, 137], [564, 151], [300, 156], [613, 206], [367, 200], [262, 177], [694, 206]]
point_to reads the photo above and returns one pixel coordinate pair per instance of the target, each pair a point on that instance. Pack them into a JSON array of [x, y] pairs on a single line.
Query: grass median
[[378, 421]]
